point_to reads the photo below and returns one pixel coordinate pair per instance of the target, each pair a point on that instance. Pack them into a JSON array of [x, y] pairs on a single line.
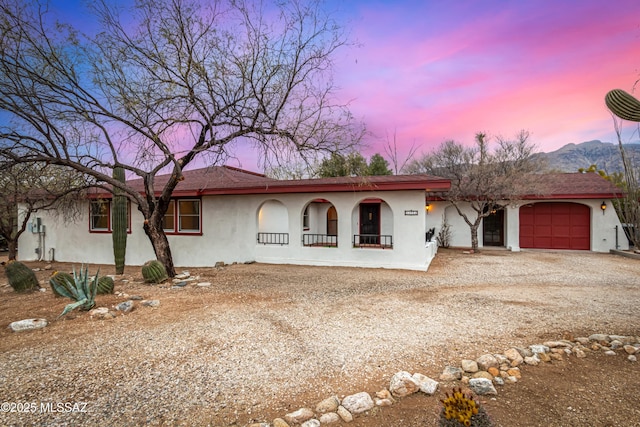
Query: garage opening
[[555, 225]]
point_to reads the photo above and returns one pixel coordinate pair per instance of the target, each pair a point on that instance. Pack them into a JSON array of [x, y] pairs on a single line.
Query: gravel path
[[265, 340]]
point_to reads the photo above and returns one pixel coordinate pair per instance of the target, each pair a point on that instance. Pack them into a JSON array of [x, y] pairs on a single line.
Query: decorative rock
[[344, 414], [533, 360], [482, 386], [483, 374], [580, 353], [544, 357], [299, 416], [219, 264], [358, 403], [27, 325], [632, 358], [582, 340], [524, 352], [180, 284], [402, 384], [514, 356], [101, 313], [487, 361], [125, 307], [383, 394], [629, 349], [610, 353], [494, 372], [311, 423], [556, 356], [426, 384], [203, 284], [330, 404], [150, 303], [470, 366], [556, 344], [514, 372], [329, 418], [279, 422], [136, 298], [498, 381], [383, 402], [451, 373], [599, 337], [182, 276], [538, 349], [501, 359], [614, 344]]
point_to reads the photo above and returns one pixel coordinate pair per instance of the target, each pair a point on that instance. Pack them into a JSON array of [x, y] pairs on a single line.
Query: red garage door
[[552, 225]]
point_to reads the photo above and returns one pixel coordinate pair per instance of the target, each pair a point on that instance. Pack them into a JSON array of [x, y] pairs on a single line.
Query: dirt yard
[[262, 341]]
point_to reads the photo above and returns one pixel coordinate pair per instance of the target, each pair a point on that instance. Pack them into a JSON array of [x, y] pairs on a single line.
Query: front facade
[[231, 216]]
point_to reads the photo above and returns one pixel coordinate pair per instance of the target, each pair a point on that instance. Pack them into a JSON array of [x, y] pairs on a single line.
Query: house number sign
[[411, 213]]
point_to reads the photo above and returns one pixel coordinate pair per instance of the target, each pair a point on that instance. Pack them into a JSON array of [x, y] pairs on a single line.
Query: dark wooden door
[[370, 223], [493, 229]]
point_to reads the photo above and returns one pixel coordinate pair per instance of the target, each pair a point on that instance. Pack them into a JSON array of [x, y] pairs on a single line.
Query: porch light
[[427, 208], [603, 206]]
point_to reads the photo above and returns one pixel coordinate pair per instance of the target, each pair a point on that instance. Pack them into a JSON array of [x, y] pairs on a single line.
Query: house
[[232, 215], [572, 211]]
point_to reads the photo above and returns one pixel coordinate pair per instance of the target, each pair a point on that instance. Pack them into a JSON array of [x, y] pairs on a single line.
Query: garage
[[555, 225]]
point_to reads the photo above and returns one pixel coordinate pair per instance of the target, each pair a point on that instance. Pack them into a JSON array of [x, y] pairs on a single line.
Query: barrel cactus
[[105, 285], [154, 272], [82, 290], [21, 278], [58, 279], [461, 410]]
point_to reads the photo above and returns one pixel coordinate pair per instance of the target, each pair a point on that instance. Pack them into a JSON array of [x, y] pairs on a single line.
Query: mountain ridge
[[605, 155]]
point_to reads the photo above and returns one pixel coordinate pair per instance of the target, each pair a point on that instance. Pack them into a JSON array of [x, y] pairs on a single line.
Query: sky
[[429, 71]]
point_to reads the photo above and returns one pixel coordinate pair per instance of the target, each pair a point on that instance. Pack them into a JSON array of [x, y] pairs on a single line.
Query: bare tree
[[391, 150], [166, 82], [482, 179], [35, 187]]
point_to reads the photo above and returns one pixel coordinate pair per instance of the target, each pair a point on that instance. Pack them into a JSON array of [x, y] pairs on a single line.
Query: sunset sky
[[429, 71]]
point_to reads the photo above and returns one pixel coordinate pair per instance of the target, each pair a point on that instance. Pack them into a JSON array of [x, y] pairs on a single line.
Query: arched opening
[[373, 224], [320, 224], [273, 223]]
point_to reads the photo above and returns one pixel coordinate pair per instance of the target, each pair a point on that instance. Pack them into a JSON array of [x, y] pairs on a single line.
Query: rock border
[[481, 375]]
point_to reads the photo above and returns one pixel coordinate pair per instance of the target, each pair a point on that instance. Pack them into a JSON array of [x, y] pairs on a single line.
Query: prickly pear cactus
[[623, 105], [59, 279], [21, 278], [119, 225], [154, 272], [105, 285]]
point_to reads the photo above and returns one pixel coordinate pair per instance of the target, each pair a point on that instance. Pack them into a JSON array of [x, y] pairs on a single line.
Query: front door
[[370, 223], [332, 221], [493, 229]]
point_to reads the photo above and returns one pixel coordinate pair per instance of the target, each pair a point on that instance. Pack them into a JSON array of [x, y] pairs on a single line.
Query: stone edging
[[480, 375]]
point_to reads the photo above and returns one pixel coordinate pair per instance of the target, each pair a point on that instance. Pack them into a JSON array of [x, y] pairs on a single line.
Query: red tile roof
[[230, 180], [575, 186]]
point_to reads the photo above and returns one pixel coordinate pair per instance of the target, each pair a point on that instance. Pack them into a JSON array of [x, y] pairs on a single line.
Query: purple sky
[[430, 71]]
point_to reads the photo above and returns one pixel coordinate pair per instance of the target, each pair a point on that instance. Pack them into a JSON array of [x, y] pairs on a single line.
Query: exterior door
[[493, 229], [332, 221], [370, 223]]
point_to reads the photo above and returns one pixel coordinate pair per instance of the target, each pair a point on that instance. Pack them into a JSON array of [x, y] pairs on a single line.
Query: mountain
[[605, 155]]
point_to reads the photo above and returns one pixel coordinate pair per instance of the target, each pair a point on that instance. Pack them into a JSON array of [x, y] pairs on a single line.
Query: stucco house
[[225, 214]]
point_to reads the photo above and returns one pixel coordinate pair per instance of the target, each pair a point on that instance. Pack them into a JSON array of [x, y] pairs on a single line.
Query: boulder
[[27, 325], [299, 416], [402, 384], [482, 386], [426, 384], [358, 403]]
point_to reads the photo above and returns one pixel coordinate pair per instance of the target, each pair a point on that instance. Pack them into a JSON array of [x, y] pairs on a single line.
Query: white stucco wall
[[603, 226], [230, 225]]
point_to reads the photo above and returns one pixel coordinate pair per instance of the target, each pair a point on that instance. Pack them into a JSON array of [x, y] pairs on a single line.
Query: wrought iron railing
[[324, 240], [384, 241], [273, 238]]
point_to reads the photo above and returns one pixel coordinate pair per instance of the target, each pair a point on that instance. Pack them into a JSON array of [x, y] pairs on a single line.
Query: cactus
[[119, 225], [460, 410], [21, 278], [623, 105], [154, 272], [57, 279], [82, 290], [105, 285]]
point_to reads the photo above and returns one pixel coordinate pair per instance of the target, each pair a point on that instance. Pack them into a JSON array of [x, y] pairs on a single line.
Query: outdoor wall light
[[603, 206], [427, 208]]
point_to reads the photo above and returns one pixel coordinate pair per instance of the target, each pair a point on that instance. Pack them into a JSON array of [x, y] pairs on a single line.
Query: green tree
[[166, 82], [353, 164], [378, 165]]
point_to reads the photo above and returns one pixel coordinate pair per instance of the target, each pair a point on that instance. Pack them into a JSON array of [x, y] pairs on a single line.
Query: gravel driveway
[[264, 340]]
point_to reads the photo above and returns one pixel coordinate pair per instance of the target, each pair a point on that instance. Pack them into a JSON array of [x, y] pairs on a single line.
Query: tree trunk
[[13, 249], [161, 247], [474, 237]]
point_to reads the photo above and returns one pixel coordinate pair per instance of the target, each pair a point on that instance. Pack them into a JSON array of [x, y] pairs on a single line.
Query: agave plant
[[82, 290]]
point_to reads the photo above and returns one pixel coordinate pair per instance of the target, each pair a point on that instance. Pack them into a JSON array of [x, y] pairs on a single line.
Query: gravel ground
[[265, 340]]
